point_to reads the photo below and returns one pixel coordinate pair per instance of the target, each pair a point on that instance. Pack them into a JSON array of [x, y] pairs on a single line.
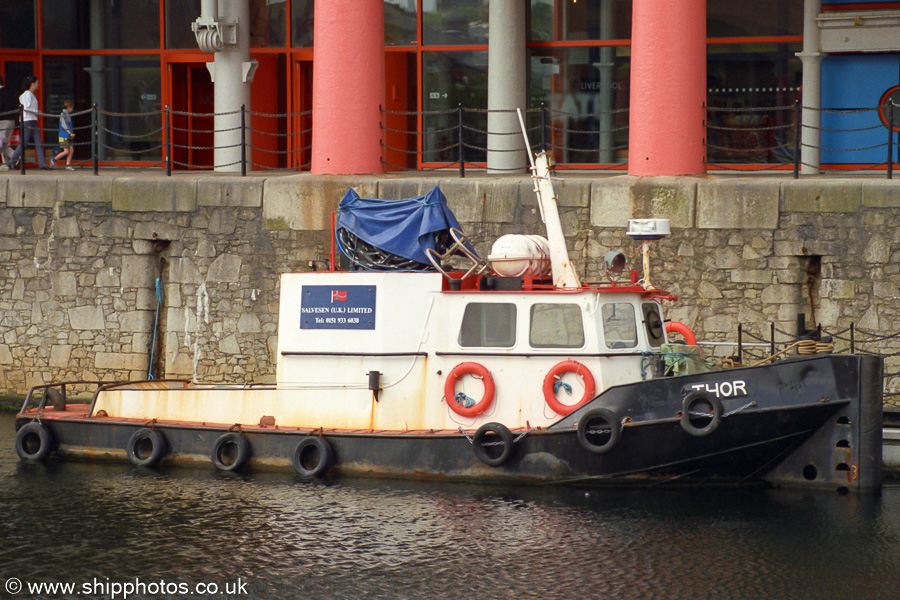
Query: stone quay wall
[[80, 256]]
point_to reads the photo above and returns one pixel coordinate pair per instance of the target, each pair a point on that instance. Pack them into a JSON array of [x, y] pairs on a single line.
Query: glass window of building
[[100, 25], [586, 93], [488, 324], [455, 22], [451, 79], [126, 89], [400, 22], [753, 18], [17, 26], [179, 16], [564, 20], [302, 23], [744, 78], [267, 23], [556, 326]]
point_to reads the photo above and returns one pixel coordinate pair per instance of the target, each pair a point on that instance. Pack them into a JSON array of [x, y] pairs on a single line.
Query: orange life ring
[[676, 327], [567, 366], [469, 368]]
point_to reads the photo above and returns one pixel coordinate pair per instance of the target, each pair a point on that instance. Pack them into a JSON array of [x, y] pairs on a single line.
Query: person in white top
[[30, 130]]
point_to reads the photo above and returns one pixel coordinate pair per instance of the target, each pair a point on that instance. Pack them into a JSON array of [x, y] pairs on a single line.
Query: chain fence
[[738, 139]]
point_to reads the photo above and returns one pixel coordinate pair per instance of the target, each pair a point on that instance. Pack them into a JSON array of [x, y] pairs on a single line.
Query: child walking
[[65, 135]]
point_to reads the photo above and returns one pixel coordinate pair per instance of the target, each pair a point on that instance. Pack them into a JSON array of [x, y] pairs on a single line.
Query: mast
[[564, 275]]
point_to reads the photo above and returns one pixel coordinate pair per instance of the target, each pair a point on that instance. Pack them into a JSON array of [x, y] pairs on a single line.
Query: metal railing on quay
[[739, 139]]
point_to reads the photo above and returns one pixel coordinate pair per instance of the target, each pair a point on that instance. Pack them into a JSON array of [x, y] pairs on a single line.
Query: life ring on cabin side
[[481, 445], [230, 452], [312, 457], [33, 441], [146, 447], [697, 423], [567, 366], [469, 368], [599, 430], [684, 330]]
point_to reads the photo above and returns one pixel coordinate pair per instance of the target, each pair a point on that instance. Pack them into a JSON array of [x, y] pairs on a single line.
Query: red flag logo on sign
[[338, 295]]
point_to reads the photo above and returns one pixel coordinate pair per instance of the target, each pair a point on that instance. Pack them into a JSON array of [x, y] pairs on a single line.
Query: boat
[[510, 369]]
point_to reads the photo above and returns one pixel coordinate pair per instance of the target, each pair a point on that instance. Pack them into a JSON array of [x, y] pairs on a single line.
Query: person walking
[[30, 130], [66, 133], [9, 113]]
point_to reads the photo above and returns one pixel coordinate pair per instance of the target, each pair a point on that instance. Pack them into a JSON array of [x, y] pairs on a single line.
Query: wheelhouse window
[[619, 325], [556, 326], [653, 323], [488, 325]]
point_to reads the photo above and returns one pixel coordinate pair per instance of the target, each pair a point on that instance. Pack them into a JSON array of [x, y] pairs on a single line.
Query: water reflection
[[68, 521]]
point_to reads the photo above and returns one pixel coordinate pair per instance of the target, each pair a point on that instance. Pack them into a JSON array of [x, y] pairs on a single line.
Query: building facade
[[135, 57]]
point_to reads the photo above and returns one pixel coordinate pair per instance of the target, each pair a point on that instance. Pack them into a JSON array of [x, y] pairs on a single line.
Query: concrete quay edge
[[304, 202]]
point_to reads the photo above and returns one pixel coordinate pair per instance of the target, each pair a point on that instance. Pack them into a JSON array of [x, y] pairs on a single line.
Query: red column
[[348, 86], [668, 88]]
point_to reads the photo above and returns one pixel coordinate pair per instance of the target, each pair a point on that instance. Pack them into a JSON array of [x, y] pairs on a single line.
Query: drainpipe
[[811, 58], [223, 28]]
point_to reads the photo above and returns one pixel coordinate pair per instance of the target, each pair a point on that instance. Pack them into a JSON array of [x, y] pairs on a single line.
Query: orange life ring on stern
[[469, 368], [676, 327], [567, 366]]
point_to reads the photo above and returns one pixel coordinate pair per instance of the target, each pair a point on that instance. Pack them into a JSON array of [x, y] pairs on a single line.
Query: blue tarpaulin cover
[[402, 227]]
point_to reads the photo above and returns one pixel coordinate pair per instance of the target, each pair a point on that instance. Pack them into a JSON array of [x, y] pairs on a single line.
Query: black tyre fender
[[589, 428], [230, 452], [479, 445], [312, 457], [146, 447], [690, 404], [33, 441]]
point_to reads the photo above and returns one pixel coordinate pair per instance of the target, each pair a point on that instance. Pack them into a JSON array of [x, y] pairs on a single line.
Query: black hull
[[808, 422]]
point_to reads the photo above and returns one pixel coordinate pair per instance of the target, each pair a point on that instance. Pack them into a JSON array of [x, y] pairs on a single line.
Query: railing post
[[798, 131], [243, 140], [462, 162], [168, 142], [740, 350], [95, 138], [543, 128], [890, 161], [22, 139]]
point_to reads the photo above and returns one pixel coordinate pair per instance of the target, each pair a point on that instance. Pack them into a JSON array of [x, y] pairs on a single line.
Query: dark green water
[[267, 536]]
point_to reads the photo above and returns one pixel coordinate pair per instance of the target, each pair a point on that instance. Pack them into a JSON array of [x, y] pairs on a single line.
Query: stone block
[[6, 357], [222, 222], [880, 193], [4, 191], [87, 318], [85, 189], [225, 269], [156, 231], [145, 194], [120, 361], [139, 271], [821, 195], [136, 321], [60, 355], [466, 198], [750, 276], [230, 345], [230, 191], [183, 270], [737, 204], [615, 200], [31, 192], [401, 189], [67, 227], [114, 227], [249, 323], [64, 283], [7, 219], [305, 203], [501, 201]]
